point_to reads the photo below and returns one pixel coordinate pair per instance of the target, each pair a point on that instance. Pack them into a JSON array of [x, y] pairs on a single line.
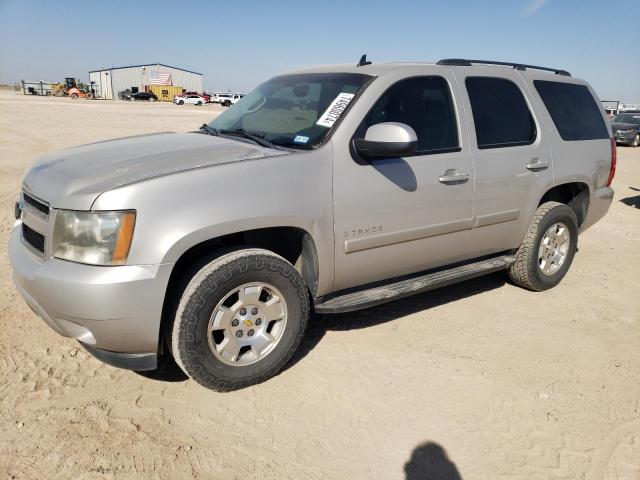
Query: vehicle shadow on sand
[[169, 371], [370, 317], [633, 201]]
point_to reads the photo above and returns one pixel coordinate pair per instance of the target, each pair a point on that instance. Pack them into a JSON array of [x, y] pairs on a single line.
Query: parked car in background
[[216, 97], [190, 99], [220, 97], [146, 96], [211, 96], [205, 96], [328, 190], [230, 99], [626, 128]]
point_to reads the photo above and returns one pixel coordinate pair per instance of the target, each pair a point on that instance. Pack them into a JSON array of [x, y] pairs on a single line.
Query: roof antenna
[[363, 61]]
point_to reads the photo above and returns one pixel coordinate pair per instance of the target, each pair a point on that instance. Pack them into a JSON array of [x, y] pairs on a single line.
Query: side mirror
[[387, 140]]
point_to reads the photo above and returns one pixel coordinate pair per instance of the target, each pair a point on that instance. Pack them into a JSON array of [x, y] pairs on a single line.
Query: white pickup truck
[[227, 99]]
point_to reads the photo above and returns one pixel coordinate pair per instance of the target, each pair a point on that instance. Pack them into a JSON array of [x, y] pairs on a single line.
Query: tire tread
[[191, 299], [521, 272]]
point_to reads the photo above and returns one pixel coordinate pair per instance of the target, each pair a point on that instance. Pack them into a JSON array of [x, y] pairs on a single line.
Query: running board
[[350, 301]]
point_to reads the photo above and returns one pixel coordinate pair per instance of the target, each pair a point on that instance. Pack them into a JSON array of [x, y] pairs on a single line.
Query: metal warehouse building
[[109, 82]]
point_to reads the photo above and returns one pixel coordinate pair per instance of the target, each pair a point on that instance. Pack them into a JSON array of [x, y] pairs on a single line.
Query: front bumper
[[626, 138], [110, 310]]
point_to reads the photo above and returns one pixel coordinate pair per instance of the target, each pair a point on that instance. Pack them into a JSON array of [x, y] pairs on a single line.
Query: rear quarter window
[[573, 110]]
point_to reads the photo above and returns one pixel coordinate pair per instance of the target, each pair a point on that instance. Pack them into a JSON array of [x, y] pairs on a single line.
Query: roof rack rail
[[462, 62]]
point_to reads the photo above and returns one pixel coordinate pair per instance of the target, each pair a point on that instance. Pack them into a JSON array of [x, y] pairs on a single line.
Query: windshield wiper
[[208, 129], [260, 140]]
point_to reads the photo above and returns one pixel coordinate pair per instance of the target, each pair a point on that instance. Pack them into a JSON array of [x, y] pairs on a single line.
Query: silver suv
[[327, 189]]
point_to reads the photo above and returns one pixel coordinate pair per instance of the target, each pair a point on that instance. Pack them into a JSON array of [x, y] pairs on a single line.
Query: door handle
[[453, 177], [535, 165]]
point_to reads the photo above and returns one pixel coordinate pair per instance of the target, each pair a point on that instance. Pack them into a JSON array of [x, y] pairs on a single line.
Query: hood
[[623, 126], [74, 178]]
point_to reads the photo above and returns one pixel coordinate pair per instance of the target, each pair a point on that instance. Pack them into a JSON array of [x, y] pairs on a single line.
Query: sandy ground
[[482, 380]]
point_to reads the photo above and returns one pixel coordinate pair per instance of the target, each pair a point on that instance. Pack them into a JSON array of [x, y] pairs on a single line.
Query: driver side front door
[[398, 216]]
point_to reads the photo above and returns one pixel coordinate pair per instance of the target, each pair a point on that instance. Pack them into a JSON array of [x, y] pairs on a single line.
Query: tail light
[[614, 158]]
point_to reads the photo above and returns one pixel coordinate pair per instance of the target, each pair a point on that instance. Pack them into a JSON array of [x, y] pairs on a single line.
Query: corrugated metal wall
[[109, 83], [102, 84], [126, 78]]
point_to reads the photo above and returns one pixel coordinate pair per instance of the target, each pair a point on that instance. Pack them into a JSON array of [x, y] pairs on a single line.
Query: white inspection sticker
[[335, 109]]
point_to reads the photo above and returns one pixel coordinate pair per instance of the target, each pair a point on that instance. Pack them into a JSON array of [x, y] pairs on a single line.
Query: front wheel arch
[[294, 244]]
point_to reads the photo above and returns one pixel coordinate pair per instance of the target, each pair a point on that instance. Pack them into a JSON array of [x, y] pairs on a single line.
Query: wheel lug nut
[[239, 333], [234, 322], [258, 321], [254, 311], [250, 332], [243, 311]]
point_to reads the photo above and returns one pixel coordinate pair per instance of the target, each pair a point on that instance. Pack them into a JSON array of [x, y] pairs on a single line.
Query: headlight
[[631, 129], [96, 238]]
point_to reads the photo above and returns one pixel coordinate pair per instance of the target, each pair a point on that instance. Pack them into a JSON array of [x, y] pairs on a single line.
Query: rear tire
[[251, 290], [636, 141], [181, 102], [544, 257], [151, 99], [132, 99]]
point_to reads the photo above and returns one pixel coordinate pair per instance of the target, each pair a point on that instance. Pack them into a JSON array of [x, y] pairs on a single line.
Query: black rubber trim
[[138, 362], [378, 150]]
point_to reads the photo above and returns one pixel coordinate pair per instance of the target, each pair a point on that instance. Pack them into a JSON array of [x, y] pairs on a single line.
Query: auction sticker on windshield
[[335, 109]]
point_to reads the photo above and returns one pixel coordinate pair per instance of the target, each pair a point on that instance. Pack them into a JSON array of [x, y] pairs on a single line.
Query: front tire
[[548, 249], [240, 319], [636, 141]]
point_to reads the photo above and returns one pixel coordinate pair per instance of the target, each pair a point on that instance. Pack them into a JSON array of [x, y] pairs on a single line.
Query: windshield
[[296, 111], [627, 118]]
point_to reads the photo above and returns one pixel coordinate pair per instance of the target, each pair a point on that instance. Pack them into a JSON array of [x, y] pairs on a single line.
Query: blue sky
[[239, 44]]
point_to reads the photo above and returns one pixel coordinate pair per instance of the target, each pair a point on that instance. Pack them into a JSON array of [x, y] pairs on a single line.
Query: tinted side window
[[500, 113], [425, 104], [573, 109]]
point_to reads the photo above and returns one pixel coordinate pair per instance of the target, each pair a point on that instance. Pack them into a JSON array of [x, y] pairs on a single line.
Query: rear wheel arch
[[575, 195]]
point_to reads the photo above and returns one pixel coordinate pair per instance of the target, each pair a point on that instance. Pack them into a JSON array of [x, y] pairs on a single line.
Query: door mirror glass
[[387, 140]]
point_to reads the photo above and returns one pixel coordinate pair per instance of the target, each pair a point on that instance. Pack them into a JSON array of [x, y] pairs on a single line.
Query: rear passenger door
[[511, 154]]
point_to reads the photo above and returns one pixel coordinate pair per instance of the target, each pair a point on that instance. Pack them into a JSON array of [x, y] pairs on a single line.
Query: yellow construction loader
[[71, 88]]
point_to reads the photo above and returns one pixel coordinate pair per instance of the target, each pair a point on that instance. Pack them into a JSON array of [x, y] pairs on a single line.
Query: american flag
[[160, 78]]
